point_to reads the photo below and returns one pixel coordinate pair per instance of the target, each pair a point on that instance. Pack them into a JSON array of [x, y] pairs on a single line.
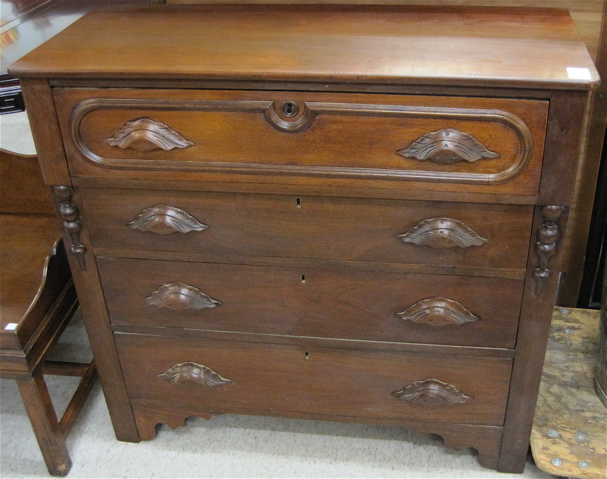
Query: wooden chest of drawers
[[342, 213]]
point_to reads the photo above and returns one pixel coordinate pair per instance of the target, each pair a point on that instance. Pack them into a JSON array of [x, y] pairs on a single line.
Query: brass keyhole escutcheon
[[289, 109]]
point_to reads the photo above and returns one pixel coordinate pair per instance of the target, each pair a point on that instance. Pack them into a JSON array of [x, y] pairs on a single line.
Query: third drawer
[[315, 302]]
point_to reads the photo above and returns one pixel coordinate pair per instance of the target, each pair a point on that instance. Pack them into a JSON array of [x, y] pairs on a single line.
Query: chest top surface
[[531, 48]]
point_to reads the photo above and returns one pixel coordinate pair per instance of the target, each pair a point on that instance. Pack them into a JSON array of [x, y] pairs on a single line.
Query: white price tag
[[575, 73]]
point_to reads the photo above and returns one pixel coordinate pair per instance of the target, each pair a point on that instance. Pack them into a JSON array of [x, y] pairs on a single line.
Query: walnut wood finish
[[581, 211], [531, 345], [312, 302], [20, 182], [187, 373], [547, 242], [295, 171], [590, 17], [311, 380], [71, 223], [432, 393], [100, 337], [439, 312], [45, 130], [585, 13], [144, 134], [447, 146], [474, 44], [22, 280], [441, 233], [37, 301], [350, 229], [164, 220], [180, 296], [484, 439], [223, 124], [34, 272]]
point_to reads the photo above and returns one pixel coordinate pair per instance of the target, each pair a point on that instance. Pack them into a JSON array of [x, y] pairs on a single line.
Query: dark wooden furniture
[[37, 300], [345, 213], [590, 19]]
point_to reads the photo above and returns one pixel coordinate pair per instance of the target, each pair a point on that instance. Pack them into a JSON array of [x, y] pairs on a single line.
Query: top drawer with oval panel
[[490, 145]]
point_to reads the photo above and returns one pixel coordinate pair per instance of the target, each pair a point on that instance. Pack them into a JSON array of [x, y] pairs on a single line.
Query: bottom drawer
[[225, 376]]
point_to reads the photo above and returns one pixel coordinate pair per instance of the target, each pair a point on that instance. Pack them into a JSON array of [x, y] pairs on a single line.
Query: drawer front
[[492, 145], [344, 304], [376, 231], [224, 376]]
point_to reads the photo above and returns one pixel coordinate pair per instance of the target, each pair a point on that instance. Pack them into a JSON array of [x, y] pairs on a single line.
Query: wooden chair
[[37, 301]]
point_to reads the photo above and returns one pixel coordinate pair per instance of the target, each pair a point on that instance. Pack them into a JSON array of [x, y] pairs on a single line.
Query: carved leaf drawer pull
[[432, 393], [144, 134], [442, 232], [181, 296], [192, 373], [438, 311], [447, 146], [165, 219]]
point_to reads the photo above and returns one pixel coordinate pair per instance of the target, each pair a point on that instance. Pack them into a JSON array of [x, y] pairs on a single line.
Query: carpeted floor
[[225, 446]]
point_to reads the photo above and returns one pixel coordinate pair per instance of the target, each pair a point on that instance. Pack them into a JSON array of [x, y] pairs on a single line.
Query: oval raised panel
[[308, 111]]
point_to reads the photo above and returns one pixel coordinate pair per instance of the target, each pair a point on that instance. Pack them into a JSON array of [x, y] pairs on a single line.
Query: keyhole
[[298, 202], [302, 278], [306, 355], [289, 109]]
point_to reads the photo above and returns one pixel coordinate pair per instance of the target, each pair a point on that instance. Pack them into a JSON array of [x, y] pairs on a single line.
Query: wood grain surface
[[21, 282], [585, 13], [311, 380], [248, 237], [29, 236], [21, 187], [345, 229], [311, 302], [348, 136], [292, 43]]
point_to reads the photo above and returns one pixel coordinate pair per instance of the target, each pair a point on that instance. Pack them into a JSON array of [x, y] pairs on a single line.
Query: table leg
[[43, 418]]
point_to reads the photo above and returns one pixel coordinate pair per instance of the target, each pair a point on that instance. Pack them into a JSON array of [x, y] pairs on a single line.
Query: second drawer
[[347, 304], [434, 234]]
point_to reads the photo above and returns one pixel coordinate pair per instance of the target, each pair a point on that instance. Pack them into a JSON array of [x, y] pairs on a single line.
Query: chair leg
[[43, 418]]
